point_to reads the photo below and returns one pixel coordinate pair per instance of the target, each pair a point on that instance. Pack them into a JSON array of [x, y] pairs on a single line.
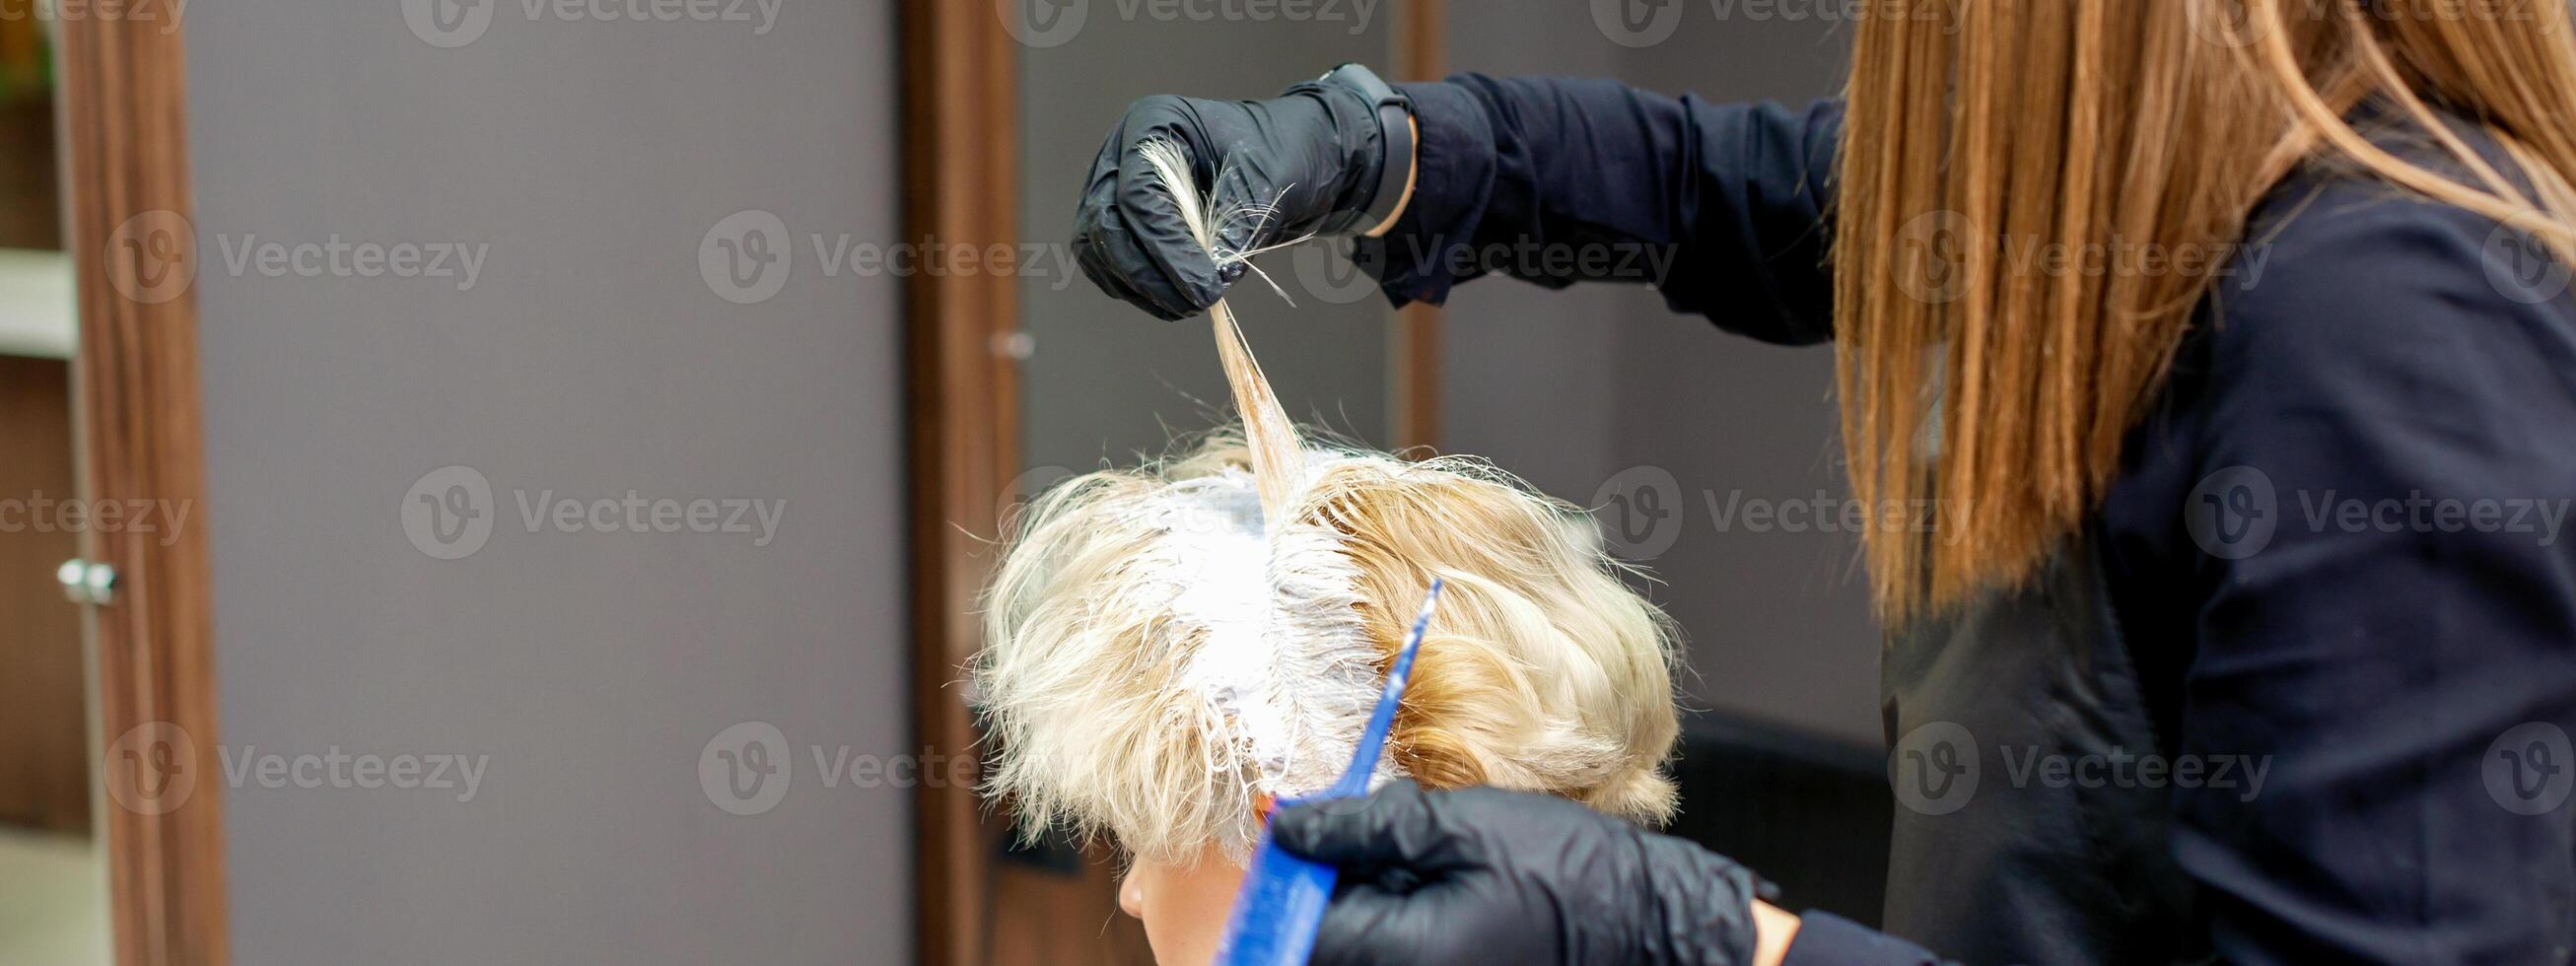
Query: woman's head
[[1128, 693], [1161, 657], [2033, 195]]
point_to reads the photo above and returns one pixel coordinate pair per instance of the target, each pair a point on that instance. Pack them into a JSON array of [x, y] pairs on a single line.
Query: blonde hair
[[1542, 671], [2142, 129]]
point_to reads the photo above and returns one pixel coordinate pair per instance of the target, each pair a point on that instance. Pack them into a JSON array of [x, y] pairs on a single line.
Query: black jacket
[[2331, 585]]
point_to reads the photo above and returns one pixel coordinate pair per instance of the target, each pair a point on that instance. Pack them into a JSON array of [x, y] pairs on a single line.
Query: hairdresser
[[2235, 480]]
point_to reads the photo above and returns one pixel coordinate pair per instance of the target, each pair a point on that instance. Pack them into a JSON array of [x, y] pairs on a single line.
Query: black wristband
[[1394, 113]]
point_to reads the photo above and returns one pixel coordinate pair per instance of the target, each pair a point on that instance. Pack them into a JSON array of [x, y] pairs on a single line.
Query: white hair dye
[[1286, 664], [1283, 659]]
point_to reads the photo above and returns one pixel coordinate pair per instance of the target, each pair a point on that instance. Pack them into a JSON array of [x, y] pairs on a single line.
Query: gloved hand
[[1495, 878], [1315, 152]]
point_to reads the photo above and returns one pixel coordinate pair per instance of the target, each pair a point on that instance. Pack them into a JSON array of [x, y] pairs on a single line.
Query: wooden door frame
[[961, 181], [1421, 54], [961, 187], [122, 82]]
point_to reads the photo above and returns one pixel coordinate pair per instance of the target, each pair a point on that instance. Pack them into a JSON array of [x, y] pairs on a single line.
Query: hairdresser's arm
[[1496, 878], [1723, 207]]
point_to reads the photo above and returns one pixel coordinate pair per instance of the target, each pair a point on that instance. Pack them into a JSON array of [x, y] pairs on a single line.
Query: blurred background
[[53, 891], [602, 406]]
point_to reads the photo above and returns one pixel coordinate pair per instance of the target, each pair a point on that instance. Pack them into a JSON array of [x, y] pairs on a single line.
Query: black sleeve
[[2390, 640], [1829, 940], [1723, 207]]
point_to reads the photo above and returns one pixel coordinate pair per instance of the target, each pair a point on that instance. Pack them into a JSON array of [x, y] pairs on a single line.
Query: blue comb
[[1283, 897]]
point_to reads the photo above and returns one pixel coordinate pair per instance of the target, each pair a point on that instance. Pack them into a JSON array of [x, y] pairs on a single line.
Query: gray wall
[[589, 359], [1575, 388]]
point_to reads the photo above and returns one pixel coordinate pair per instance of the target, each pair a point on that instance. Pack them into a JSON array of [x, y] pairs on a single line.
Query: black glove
[[1317, 153], [1492, 877]]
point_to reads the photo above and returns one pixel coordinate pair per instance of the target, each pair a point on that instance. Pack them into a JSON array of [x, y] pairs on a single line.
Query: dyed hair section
[[1544, 670]]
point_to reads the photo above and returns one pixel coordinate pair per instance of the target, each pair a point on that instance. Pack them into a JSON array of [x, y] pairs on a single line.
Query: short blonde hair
[[1543, 670]]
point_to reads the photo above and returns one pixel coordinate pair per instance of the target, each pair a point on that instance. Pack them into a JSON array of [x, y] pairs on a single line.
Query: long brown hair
[[2035, 194]]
